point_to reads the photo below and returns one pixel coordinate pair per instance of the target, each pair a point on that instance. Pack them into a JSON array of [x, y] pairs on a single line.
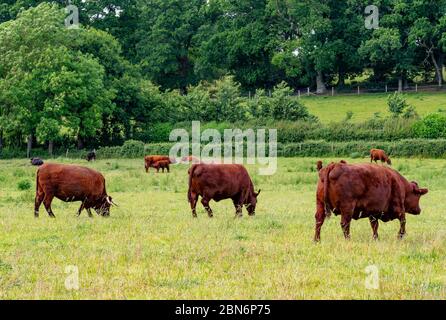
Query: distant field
[[364, 106], [152, 248]]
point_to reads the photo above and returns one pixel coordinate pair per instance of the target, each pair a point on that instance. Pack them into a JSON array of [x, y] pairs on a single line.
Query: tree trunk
[[29, 146], [441, 64], [438, 71], [1, 141], [50, 147], [341, 80], [80, 143], [320, 85]]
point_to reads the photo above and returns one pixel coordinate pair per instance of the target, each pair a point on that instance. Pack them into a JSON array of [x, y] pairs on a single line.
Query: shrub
[[397, 104], [286, 107], [432, 126], [24, 185], [132, 148]]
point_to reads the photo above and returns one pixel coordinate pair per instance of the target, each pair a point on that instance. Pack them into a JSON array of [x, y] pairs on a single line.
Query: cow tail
[[326, 197], [37, 181], [189, 191]]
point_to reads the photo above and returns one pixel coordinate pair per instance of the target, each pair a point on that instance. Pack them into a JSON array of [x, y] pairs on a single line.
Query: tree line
[[133, 63]]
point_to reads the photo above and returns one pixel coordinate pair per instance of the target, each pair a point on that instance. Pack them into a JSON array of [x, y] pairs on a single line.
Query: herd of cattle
[[353, 191]]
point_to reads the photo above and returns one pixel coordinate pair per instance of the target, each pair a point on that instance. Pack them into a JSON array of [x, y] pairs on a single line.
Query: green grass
[[151, 247], [333, 109]]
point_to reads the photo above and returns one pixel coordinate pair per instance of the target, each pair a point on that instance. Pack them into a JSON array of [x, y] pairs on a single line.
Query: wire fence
[[358, 90]]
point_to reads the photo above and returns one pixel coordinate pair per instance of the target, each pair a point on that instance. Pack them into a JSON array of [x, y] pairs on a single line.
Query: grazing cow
[[163, 164], [36, 161], [221, 181], [365, 191], [150, 160], [91, 156], [71, 183], [378, 154]]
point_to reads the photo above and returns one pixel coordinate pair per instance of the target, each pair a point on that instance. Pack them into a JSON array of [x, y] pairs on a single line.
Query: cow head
[[412, 202], [252, 202], [103, 207], [389, 162], [319, 165]]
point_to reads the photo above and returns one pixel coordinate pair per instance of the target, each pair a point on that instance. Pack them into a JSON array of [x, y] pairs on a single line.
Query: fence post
[[332, 91], [416, 87], [358, 89], [249, 95], [308, 91], [386, 88], [298, 93], [270, 93]]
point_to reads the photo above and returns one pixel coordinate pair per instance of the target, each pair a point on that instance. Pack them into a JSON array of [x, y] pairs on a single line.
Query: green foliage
[[397, 104], [285, 107], [432, 126], [132, 149]]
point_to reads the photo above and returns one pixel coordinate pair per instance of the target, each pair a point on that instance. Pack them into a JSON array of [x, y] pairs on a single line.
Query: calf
[[221, 181], [357, 191], [163, 164], [150, 160], [71, 183], [378, 154]]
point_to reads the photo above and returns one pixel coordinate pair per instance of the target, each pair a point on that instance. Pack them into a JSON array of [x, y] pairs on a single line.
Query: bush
[[286, 107], [24, 185], [433, 126], [132, 149], [397, 104]]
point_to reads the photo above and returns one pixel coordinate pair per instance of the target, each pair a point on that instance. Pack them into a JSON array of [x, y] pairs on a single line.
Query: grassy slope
[[152, 248], [364, 106]]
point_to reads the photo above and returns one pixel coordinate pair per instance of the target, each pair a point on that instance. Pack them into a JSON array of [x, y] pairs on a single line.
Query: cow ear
[[319, 165], [422, 191]]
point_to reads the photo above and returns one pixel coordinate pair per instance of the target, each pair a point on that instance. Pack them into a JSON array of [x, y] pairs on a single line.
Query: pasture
[[334, 109], [151, 247]]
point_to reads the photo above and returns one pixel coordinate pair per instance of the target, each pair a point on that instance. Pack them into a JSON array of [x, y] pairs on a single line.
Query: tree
[[165, 40], [46, 85], [427, 31]]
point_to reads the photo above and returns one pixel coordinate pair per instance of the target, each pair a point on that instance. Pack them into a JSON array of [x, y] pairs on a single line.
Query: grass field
[[151, 248], [365, 106]]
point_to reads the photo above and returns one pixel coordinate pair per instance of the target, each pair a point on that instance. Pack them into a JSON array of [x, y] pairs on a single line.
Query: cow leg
[[375, 224], [205, 203], [193, 204], [320, 218], [345, 223], [402, 232], [37, 203], [89, 213], [47, 203], [80, 209], [238, 208]]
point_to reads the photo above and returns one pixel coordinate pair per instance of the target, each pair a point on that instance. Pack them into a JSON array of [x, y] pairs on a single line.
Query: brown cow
[[378, 154], [150, 160], [221, 181], [365, 191], [71, 183], [163, 164]]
